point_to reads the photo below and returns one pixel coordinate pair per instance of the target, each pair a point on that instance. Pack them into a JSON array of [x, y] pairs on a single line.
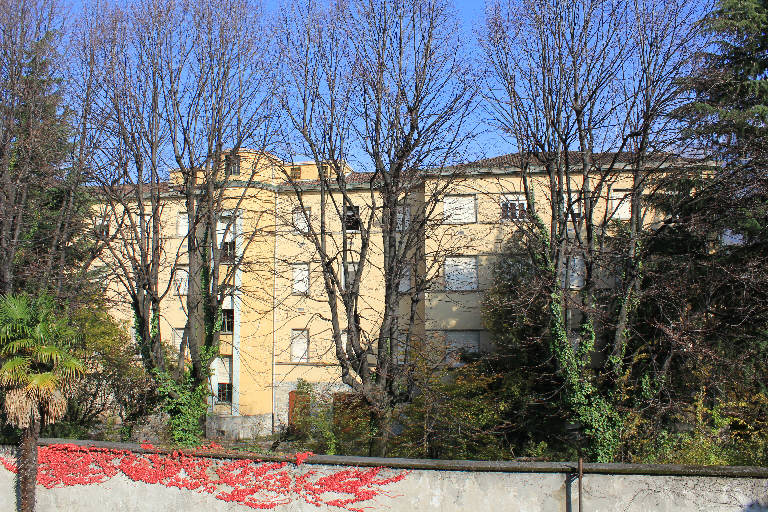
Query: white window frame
[[449, 212], [182, 224], [620, 204], [300, 279], [453, 283], [301, 219], [181, 280], [296, 355]]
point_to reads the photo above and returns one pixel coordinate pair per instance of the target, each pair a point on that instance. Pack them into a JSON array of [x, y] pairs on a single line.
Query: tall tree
[[44, 206], [712, 250], [185, 86], [584, 89], [383, 85]]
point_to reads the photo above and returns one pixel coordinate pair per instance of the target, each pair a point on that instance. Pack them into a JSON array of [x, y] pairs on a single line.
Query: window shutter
[[621, 205], [459, 209], [299, 346], [405, 280], [222, 369], [182, 224], [300, 220], [181, 280], [301, 278], [403, 218], [461, 273]]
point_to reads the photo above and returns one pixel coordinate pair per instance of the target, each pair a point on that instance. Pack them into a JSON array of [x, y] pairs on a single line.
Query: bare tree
[[383, 85], [185, 88], [584, 90]]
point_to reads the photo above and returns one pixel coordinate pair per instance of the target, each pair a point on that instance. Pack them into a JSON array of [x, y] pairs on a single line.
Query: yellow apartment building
[[275, 324]]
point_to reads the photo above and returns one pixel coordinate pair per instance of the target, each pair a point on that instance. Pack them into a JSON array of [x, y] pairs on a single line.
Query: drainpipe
[[274, 303]]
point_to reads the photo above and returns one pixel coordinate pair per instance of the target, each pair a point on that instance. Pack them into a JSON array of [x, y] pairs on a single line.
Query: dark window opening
[[224, 393], [352, 218], [101, 230], [227, 320], [233, 165], [513, 210], [228, 251], [295, 173]]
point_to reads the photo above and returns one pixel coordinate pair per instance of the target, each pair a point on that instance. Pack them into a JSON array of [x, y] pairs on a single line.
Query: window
[[178, 336], [295, 173], [459, 209], [468, 341], [300, 273], [224, 393], [461, 273], [405, 280], [101, 229], [458, 342], [576, 270], [233, 165], [574, 208], [226, 235], [182, 224], [222, 372], [351, 218], [348, 273], [300, 219], [513, 207], [732, 238], [181, 280], [228, 251], [227, 321], [403, 219], [620, 204], [323, 169], [299, 346]]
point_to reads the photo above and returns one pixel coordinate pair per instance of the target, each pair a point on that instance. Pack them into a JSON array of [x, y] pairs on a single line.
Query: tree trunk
[[28, 466], [381, 429]]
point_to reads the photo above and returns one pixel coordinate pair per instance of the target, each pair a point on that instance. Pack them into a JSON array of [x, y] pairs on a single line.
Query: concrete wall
[[450, 486]]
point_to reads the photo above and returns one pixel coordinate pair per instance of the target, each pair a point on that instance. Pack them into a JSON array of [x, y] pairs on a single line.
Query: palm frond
[[20, 407], [48, 354], [15, 371], [43, 383], [17, 346]]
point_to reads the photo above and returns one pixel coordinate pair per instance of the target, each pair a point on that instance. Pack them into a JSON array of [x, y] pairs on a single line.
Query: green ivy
[[185, 403], [600, 421]]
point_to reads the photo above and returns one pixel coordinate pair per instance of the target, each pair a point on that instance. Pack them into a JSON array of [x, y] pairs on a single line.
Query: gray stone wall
[[481, 487]]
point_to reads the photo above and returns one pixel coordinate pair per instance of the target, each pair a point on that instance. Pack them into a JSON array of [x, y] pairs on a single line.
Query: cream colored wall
[[461, 310], [268, 309]]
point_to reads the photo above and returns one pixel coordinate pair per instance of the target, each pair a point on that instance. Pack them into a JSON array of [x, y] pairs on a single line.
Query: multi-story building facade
[[275, 327]]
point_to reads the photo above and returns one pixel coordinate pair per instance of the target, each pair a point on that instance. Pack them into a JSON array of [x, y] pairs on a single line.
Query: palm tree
[[36, 366]]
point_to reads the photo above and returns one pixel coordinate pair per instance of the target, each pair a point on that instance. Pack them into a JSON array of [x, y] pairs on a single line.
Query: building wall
[[267, 311]]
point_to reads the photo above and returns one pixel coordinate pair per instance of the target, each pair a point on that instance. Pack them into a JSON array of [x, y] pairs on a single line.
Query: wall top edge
[[449, 465]]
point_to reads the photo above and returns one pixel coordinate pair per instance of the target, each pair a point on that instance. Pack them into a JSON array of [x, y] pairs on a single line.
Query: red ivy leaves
[[249, 482]]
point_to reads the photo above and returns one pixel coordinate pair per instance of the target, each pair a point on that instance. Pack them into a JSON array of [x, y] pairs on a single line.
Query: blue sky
[[487, 143]]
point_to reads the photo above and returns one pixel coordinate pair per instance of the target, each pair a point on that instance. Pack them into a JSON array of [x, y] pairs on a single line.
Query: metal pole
[[581, 474]]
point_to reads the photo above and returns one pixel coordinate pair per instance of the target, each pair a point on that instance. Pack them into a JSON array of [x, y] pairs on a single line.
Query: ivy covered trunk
[[586, 403], [28, 466]]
